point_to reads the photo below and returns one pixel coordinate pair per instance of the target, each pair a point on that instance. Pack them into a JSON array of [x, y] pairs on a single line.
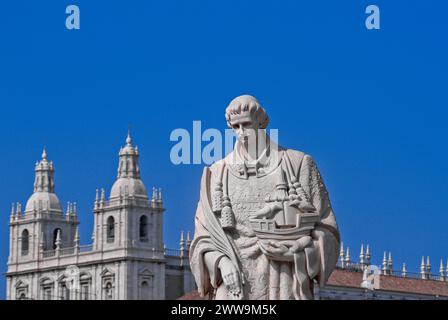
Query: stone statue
[[264, 226]]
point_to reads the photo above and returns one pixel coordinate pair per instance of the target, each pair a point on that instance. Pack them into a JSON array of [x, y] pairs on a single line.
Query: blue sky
[[369, 106]]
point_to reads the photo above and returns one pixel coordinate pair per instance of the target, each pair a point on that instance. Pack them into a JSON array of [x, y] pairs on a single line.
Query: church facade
[[127, 258]]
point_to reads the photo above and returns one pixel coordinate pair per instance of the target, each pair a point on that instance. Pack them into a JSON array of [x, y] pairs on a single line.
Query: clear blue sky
[[370, 106]]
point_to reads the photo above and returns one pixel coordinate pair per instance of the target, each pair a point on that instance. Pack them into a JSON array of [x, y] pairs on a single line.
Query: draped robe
[[263, 278]]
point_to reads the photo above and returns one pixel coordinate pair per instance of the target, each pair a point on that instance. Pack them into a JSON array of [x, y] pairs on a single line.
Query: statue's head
[[245, 115]]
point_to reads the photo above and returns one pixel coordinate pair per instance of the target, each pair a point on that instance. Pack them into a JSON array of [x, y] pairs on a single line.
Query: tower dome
[[43, 196], [128, 178]]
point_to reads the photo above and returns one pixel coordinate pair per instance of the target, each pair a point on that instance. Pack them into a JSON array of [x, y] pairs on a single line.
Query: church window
[[25, 242], [110, 229], [144, 228]]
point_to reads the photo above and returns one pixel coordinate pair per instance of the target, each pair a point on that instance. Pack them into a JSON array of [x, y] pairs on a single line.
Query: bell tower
[[128, 219], [42, 225]]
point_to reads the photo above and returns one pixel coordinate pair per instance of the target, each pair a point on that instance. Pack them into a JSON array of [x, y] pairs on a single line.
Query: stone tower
[[128, 220], [42, 225]]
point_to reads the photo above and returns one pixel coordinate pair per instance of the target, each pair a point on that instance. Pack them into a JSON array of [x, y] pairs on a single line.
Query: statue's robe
[[263, 278]]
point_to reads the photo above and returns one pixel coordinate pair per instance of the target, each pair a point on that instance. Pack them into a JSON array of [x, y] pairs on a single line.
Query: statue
[[264, 226]]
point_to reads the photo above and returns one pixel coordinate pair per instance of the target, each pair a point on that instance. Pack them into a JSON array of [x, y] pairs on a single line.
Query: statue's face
[[245, 127]]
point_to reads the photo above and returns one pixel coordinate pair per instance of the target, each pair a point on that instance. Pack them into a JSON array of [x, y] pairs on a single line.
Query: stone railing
[[48, 253], [89, 248]]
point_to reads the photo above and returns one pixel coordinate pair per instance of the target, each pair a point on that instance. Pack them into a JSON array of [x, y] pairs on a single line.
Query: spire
[[182, 241], [384, 268], [428, 266], [368, 255], [154, 194], [347, 258], [446, 270], [44, 171], [389, 263], [103, 197], [188, 240], [160, 195], [182, 246], [96, 204], [129, 166], [441, 271], [361, 255], [404, 272], [68, 209], [423, 269], [13, 216], [18, 210], [342, 255]]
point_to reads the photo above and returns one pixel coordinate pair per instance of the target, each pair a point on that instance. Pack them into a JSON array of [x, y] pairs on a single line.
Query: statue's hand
[[268, 211], [230, 276], [300, 244], [284, 250]]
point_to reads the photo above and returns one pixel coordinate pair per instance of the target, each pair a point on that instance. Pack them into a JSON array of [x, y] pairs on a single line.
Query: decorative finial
[[368, 254], [12, 210], [44, 154], [423, 268], [361, 254], [428, 265], [446, 268], [441, 270], [18, 209], [160, 195], [342, 255], [154, 194], [128, 138], [384, 268], [404, 271], [188, 239], [347, 257]]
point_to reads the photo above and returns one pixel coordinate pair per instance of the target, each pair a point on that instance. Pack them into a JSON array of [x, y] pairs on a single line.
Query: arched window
[[25, 242], [110, 229], [55, 236], [144, 228]]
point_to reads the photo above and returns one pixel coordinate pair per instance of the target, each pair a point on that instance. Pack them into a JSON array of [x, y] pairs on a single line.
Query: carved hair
[[247, 103]]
